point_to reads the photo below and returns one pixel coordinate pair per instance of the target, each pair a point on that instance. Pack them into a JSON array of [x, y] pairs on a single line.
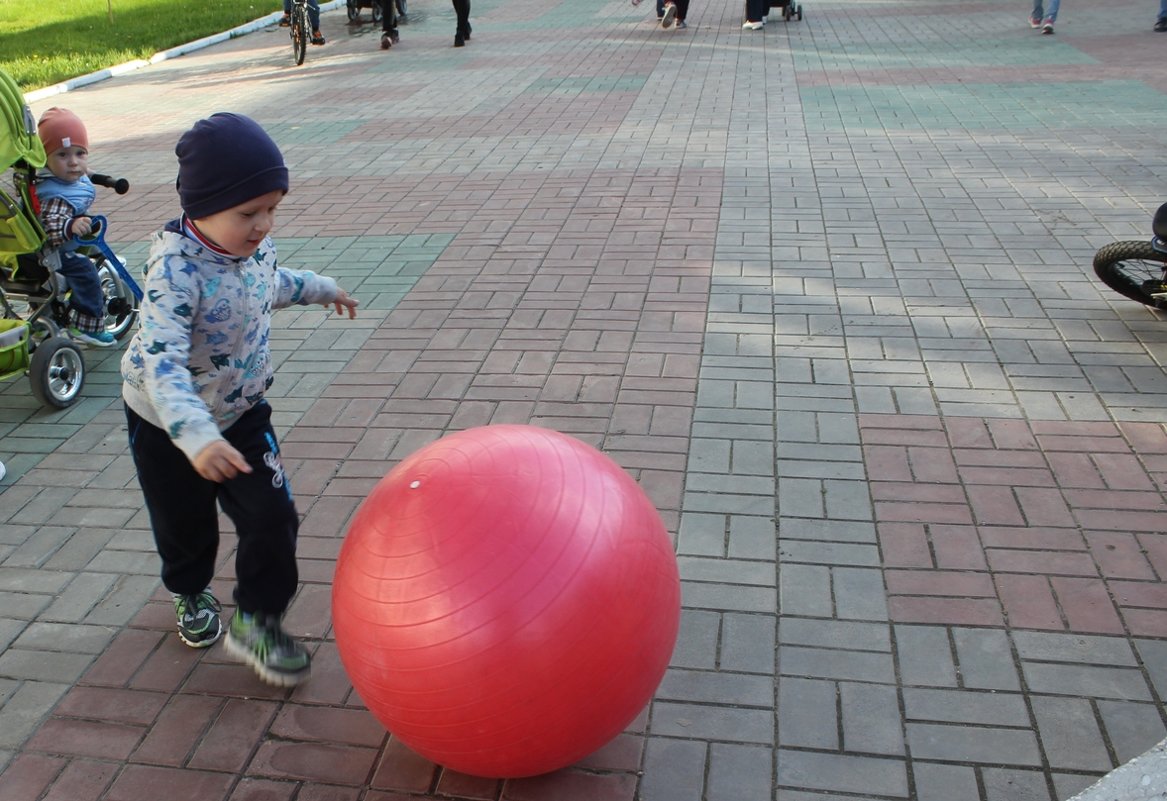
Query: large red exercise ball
[[506, 601]]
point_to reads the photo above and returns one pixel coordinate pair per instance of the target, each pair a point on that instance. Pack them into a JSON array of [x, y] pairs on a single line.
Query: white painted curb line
[[174, 52], [1144, 778]]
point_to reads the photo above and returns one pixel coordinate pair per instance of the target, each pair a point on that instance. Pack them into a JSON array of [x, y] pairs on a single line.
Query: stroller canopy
[[18, 138]]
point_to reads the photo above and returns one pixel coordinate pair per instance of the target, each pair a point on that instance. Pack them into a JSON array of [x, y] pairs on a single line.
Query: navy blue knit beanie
[[226, 160]]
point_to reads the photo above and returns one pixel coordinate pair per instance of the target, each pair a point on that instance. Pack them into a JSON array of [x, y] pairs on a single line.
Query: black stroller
[[790, 9], [353, 8]]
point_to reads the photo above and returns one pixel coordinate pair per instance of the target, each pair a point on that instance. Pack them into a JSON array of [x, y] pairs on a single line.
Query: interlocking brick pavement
[[824, 290]]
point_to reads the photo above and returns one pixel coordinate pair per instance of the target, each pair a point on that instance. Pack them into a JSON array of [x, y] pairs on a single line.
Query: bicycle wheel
[[1134, 270], [299, 33]]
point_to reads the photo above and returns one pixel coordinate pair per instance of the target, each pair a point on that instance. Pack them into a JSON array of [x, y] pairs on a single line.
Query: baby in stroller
[[65, 193], [36, 306]]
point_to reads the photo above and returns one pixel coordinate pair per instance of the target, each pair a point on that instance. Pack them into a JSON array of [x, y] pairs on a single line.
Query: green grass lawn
[[43, 42]]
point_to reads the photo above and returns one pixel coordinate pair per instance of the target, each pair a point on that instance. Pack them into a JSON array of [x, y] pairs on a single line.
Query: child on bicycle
[[313, 19], [194, 377], [65, 193]]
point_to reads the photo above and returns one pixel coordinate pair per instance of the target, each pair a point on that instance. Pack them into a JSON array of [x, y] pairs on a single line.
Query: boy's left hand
[[344, 301]]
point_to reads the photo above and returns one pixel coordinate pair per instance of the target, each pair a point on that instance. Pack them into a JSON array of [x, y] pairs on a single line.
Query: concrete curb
[[1144, 778], [174, 52]]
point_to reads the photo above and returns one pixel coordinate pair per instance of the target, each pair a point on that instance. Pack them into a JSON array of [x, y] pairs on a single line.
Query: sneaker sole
[[93, 343], [266, 674], [670, 15], [203, 643]]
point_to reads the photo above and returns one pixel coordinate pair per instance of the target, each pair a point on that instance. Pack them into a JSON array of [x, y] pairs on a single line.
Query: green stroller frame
[[33, 298]]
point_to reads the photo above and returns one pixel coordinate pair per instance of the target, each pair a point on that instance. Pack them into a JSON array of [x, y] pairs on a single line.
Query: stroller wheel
[[121, 307], [57, 372]]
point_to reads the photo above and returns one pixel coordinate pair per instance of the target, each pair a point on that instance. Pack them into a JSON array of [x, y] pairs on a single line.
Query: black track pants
[[184, 514]]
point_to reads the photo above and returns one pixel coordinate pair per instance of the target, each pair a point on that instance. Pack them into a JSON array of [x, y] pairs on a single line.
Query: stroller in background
[[34, 309], [790, 9], [353, 7]]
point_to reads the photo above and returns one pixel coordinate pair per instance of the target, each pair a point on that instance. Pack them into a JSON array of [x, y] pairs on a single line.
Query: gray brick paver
[[872, 722], [748, 644], [842, 773], [987, 745], [737, 772], [1070, 735], [724, 724]]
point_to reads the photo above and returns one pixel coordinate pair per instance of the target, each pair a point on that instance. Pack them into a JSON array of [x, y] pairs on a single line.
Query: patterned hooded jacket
[[200, 356]]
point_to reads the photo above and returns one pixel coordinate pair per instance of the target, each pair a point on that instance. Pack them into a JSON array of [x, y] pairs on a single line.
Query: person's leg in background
[[1036, 14], [755, 13], [389, 35], [682, 12], [462, 10], [314, 22], [1161, 22], [1051, 16]]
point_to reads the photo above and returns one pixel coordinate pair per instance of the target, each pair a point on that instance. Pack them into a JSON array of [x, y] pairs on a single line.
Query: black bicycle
[[1137, 269], [300, 29]]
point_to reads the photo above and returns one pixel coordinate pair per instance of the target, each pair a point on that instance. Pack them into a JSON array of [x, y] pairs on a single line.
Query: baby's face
[[69, 163], [241, 229]]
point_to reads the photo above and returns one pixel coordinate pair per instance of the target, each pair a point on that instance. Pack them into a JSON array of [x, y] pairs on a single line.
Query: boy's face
[[69, 163], [240, 229]]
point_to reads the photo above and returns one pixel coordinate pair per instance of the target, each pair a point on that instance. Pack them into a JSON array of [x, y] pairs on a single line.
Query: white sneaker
[[2, 470], [753, 26], [670, 15]]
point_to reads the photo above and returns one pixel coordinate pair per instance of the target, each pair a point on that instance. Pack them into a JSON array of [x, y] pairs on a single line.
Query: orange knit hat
[[60, 128]]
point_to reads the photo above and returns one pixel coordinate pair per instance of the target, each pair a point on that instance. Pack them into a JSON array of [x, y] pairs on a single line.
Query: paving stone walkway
[[824, 290]]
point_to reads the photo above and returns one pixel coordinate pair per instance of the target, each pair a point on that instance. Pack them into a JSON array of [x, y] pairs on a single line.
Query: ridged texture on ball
[[506, 601]]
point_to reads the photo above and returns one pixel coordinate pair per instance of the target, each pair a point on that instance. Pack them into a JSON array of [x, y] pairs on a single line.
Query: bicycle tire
[[299, 33], [1134, 270]]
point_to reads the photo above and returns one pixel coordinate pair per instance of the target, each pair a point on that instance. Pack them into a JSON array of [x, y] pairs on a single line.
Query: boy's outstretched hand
[[219, 462], [344, 301]]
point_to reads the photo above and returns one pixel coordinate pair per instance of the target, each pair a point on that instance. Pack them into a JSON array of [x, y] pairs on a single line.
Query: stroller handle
[[96, 239], [119, 185]]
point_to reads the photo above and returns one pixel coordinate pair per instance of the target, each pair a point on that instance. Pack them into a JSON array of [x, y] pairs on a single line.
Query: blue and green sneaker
[[198, 619], [258, 640]]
